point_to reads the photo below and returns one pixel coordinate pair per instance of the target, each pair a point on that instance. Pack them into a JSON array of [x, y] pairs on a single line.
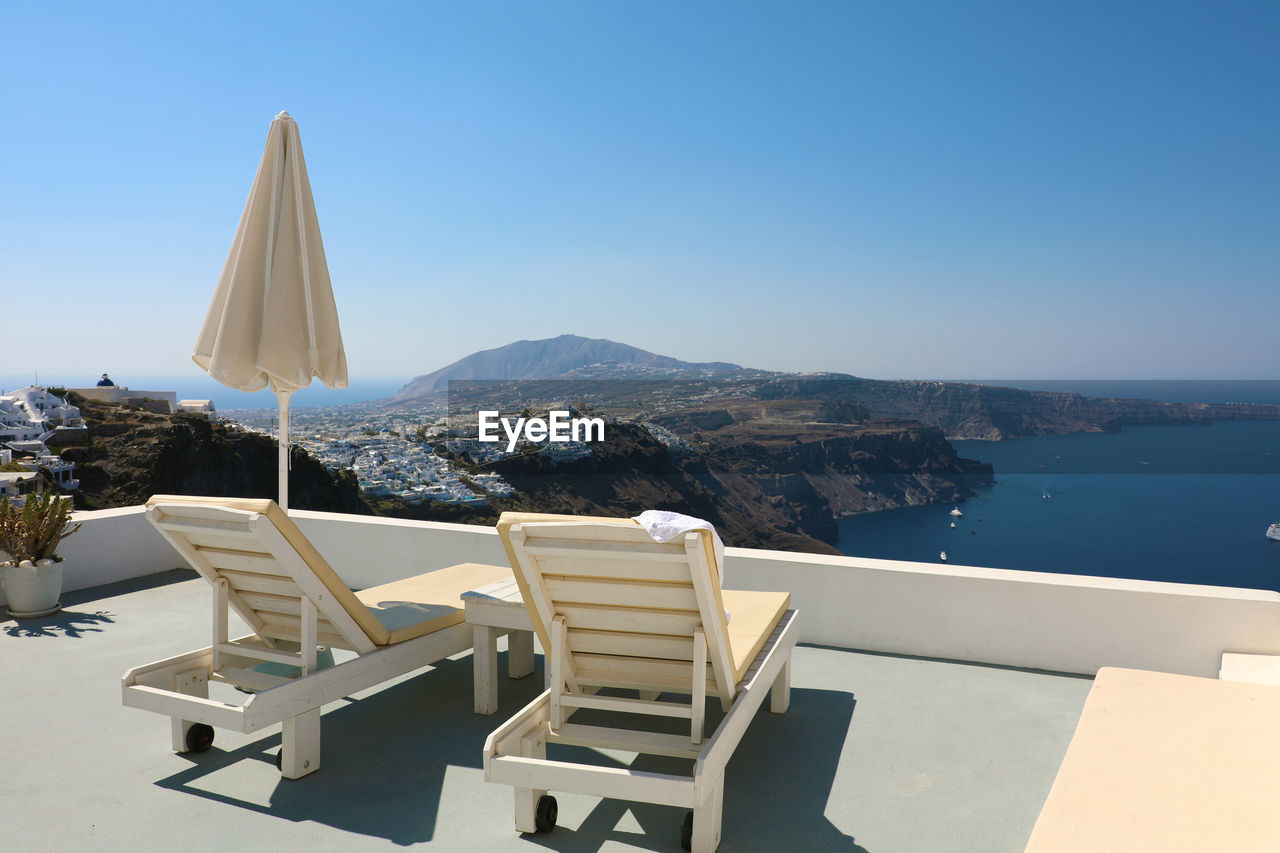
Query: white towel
[[663, 526]]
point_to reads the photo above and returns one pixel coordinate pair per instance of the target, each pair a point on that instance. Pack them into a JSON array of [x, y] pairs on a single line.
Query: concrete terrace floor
[[878, 754]]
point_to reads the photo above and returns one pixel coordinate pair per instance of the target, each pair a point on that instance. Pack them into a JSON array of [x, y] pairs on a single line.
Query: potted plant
[[30, 534]]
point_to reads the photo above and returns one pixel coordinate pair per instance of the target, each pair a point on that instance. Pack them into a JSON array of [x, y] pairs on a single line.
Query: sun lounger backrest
[[630, 605], [268, 566]]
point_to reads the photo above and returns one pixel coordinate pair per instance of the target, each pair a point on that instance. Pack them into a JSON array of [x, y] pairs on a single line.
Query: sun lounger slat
[[621, 703], [631, 643], [656, 552], [622, 568], [221, 540], [253, 582], [290, 604], [637, 673], [253, 652], [243, 561], [196, 513], [675, 622], [193, 527], [630, 740], [294, 634], [602, 535], [620, 593], [293, 622]]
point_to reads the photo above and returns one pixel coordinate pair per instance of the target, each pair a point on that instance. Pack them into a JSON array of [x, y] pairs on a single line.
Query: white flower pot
[[32, 590]]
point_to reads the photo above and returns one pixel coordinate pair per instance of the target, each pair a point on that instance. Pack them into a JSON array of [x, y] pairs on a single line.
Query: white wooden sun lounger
[[262, 567], [618, 610]]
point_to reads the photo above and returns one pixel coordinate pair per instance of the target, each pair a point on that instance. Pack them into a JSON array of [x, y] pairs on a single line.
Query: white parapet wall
[[1064, 623], [113, 545]]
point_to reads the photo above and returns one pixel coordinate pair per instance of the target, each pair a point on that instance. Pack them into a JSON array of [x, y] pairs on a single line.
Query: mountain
[[550, 358]]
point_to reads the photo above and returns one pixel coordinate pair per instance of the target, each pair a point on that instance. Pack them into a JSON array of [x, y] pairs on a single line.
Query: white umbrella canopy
[[273, 321]]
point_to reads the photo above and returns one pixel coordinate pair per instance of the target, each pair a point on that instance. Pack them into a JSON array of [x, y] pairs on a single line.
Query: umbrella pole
[[282, 399]]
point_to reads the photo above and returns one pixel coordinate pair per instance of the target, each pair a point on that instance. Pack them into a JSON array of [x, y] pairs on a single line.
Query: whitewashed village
[[31, 419], [391, 454], [394, 455], [386, 460]]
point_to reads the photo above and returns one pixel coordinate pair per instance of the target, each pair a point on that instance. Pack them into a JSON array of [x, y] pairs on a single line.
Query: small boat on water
[[956, 512], [953, 524], [943, 556], [1273, 532]]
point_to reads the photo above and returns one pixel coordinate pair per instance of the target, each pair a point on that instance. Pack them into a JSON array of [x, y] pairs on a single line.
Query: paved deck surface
[[878, 754]]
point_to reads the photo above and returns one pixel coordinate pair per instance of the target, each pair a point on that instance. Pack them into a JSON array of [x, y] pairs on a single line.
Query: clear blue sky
[[915, 189]]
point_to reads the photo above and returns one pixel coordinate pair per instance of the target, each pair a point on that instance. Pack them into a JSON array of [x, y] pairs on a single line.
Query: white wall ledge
[[1066, 623]]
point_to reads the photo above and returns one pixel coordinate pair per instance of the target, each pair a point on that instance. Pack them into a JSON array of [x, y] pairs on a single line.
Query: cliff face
[[631, 472], [133, 454], [875, 465], [776, 486]]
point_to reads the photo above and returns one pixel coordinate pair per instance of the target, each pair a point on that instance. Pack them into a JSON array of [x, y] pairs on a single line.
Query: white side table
[[492, 611]]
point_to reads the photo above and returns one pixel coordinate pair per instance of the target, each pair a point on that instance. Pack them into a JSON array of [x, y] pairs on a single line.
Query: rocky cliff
[[131, 454], [779, 486], [869, 466], [631, 472]]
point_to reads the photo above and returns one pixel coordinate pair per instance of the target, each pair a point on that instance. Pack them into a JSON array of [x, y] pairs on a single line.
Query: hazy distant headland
[[962, 410]]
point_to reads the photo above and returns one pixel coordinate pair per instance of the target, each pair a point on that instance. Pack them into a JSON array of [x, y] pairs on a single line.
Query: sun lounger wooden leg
[[300, 741], [519, 654], [706, 820], [527, 798], [484, 666], [780, 693], [192, 682]]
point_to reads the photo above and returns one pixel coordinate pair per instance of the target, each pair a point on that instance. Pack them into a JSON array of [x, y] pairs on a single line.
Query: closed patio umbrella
[[273, 321]]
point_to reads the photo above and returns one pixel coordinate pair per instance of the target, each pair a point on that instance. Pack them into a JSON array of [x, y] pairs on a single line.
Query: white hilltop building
[[161, 402], [30, 417], [33, 414], [14, 485], [197, 407]]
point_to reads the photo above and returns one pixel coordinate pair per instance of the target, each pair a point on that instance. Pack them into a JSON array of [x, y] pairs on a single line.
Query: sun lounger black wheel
[[280, 759], [545, 816], [686, 832], [199, 737]]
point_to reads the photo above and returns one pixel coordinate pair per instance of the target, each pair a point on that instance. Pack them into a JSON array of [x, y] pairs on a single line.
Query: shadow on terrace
[[387, 756], [878, 752]]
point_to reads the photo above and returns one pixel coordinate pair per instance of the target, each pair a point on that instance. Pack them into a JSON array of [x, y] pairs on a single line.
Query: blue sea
[[199, 386], [1189, 504]]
